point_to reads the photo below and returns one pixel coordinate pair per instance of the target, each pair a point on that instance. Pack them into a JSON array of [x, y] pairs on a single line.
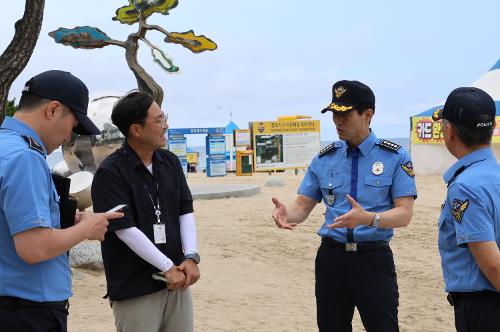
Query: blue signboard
[[216, 144], [195, 131], [216, 165]]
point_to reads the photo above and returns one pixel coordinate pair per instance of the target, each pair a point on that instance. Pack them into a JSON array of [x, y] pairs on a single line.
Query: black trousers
[[22, 316], [366, 280], [477, 312]]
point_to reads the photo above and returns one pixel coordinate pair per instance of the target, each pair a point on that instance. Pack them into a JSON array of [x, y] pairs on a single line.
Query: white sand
[[256, 277]]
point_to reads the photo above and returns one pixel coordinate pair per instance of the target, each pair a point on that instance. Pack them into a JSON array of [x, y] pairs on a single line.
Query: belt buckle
[[351, 246]]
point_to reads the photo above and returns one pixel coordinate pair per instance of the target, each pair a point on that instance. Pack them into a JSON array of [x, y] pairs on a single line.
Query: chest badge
[[378, 168], [330, 197]]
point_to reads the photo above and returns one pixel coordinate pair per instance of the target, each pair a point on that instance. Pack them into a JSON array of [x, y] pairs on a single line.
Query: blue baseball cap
[[69, 91]]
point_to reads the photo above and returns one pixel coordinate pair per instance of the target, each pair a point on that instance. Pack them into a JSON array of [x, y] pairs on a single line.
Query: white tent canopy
[[432, 158]]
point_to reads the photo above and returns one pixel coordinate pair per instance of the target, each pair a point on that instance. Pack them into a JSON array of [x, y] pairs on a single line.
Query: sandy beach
[[256, 277]]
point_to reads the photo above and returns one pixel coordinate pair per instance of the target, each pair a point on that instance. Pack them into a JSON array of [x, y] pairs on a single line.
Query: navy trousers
[[364, 279]]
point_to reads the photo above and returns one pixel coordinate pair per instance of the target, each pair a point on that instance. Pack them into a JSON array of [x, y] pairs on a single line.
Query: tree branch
[[20, 49]]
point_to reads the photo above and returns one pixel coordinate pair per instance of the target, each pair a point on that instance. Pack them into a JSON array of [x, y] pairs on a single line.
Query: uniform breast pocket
[[378, 188], [331, 190]]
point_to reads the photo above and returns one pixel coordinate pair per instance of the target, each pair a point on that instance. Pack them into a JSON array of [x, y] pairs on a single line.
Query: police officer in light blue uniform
[[469, 225], [24, 166], [35, 281], [368, 188]]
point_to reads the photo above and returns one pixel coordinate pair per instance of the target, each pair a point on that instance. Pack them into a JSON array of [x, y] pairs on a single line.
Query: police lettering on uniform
[[35, 280], [150, 255], [469, 225], [368, 188]]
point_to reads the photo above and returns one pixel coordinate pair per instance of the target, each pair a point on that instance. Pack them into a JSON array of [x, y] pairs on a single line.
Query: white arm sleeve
[[188, 233], [144, 248]]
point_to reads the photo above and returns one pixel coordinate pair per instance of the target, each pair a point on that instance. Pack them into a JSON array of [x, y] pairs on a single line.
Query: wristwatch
[[193, 256], [376, 220]]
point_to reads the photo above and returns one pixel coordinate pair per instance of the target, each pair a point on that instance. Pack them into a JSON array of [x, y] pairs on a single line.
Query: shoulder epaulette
[[33, 144], [389, 145], [329, 148]]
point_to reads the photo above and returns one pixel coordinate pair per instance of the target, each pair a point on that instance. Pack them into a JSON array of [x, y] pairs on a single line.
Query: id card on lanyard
[[159, 229]]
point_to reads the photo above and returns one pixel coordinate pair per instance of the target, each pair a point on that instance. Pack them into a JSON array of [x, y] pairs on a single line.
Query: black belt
[[355, 246], [453, 297], [10, 301]]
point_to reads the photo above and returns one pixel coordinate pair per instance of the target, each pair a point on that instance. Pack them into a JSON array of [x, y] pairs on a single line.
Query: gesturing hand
[[355, 217], [280, 215]]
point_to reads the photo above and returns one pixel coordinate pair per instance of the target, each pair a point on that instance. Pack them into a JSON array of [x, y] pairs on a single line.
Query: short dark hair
[[472, 137], [29, 101], [131, 108], [363, 107]]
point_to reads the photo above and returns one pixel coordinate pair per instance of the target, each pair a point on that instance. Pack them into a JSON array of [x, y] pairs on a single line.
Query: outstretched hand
[[280, 215], [355, 217]]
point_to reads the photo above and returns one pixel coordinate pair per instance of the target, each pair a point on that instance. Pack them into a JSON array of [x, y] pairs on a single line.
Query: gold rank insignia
[[340, 91], [458, 209], [408, 168], [340, 108]]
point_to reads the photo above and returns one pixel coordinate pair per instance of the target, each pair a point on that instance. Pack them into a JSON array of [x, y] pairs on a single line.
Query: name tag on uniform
[[159, 233]]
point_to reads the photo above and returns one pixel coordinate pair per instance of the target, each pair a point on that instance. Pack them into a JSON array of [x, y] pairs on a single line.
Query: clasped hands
[[182, 276]]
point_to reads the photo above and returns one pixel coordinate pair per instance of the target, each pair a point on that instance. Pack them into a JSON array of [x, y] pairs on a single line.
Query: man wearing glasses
[[150, 255]]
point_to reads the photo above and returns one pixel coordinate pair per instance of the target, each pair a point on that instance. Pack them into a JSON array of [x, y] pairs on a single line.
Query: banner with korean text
[[427, 131]]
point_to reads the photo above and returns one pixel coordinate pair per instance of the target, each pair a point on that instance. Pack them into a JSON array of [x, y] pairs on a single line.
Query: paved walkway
[[216, 191]]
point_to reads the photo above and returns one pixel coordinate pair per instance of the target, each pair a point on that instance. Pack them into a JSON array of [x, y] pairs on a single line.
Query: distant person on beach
[[469, 225], [157, 235], [35, 277], [368, 188]]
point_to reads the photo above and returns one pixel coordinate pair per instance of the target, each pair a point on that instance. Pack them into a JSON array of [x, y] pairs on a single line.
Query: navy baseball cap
[[469, 107], [69, 91], [347, 95]]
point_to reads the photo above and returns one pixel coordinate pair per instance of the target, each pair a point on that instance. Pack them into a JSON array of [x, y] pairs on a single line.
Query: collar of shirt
[[134, 158], [366, 146], [467, 160], [23, 130]]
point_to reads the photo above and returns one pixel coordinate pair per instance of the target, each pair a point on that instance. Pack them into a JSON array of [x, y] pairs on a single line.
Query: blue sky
[[281, 57]]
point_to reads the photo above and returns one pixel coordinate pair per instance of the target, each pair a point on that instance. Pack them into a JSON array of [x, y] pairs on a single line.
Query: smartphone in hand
[[118, 208]]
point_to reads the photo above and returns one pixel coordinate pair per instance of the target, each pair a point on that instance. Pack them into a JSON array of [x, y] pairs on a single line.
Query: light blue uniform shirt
[[470, 213], [28, 199], [331, 176]]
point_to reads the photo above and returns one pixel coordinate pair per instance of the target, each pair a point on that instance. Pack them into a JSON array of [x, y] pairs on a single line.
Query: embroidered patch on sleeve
[[458, 209], [408, 168]]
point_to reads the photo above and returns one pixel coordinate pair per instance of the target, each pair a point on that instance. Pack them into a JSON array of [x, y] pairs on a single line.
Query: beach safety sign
[[284, 144]]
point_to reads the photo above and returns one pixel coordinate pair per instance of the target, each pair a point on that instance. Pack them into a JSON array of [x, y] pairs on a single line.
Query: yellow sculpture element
[[130, 14], [293, 117], [339, 108], [188, 39]]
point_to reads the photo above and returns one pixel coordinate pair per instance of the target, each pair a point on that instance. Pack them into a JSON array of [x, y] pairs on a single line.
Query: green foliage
[[10, 107]]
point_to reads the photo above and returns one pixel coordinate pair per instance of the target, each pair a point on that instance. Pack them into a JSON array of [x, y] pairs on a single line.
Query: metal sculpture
[[137, 12]]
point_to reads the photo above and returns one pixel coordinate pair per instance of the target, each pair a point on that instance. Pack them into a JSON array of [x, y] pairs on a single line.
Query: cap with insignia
[[470, 107], [69, 91], [347, 95]]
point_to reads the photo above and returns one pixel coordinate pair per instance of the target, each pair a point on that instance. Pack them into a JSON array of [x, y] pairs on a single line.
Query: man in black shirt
[[157, 234]]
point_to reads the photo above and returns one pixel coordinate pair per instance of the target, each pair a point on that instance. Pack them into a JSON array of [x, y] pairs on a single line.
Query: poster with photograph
[[284, 144]]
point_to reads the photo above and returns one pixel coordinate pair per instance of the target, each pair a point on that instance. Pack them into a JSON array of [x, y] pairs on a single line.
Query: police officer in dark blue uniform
[[469, 225], [35, 278], [368, 188]]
